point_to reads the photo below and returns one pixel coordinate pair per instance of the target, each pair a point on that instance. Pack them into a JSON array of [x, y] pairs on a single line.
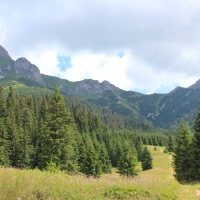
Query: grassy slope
[[157, 183], [52, 82]]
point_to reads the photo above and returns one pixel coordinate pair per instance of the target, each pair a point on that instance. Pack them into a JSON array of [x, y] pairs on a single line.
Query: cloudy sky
[[145, 46]]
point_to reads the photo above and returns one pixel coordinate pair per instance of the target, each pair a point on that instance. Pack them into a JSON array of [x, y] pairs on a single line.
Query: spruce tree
[[181, 157], [90, 163], [4, 145], [2, 104], [14, 133], [170, 144], [57, 138], [139, 148], [26, 142], [195, 152], [127, 162], [105, 160], [4, 142], [146, 159]]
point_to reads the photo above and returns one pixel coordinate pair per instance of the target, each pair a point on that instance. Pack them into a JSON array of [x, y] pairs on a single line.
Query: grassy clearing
[[157, 183]]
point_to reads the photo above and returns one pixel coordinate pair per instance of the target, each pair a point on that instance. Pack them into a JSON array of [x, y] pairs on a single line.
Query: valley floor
[[157, 183]]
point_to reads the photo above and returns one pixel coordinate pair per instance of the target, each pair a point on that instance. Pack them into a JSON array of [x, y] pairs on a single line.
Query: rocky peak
[[23, 67], [108, 86], [4, 53], [89, 86]]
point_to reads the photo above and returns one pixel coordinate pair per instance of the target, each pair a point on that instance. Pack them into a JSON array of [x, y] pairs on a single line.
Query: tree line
[[42, 132]]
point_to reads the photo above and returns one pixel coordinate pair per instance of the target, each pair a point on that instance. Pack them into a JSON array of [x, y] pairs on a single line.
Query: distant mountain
[[84, 87], [161, 110], [23, 68]]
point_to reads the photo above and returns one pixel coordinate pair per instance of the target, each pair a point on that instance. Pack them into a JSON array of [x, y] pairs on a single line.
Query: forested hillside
[[162, 110], [42, 132]]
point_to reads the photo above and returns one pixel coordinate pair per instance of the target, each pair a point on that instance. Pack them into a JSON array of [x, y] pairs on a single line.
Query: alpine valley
[[156, 110]]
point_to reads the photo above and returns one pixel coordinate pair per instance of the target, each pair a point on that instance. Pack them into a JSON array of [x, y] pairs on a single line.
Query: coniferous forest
[[49, 134], [56, 136]]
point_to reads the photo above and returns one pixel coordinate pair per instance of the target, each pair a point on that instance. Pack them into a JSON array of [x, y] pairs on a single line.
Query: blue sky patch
[[161, 90], [121, 54], [64, 62]]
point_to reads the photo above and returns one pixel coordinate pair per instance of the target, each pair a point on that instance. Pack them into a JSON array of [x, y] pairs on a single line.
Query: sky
[[144, 46]]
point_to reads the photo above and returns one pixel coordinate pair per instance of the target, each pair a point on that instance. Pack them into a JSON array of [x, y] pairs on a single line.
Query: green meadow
[[157, 183]]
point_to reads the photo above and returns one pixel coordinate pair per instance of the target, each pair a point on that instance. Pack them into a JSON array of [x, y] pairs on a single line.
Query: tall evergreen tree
[[4, 145], [57, 136], [195, 152], [105, 160], [4, 142], [170, 144], [13, 129], [89, 159], [26, 142], [181, 157], [146, 159], [127, 162], [2, 104], [139, 148]]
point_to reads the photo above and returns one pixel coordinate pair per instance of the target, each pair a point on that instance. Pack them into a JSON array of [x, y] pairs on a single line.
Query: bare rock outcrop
[[23, 67]]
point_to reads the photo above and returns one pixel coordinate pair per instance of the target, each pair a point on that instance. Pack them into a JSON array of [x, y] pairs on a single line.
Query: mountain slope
[[87, 86], [161, 110]]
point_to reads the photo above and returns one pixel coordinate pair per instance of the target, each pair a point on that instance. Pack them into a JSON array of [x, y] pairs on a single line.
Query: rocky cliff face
[[23, 67], [89, 86], [20, 67], [4, 53]]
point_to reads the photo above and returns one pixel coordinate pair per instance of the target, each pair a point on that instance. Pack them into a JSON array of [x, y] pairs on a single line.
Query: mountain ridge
[[162, 110], [23, 67]]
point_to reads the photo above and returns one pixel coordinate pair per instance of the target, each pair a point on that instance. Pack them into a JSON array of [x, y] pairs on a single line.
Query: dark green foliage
[[170, 143], [4, 145], [57, 135], [40, 132], [165, 150], [181, 156], [195, 152], [146, 159], [139, 148], [26, 143], [105, 160], [90, 163], [4, 142], [127, 162]]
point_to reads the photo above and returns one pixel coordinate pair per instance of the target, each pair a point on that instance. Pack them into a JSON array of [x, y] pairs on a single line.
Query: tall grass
[[157, 183]]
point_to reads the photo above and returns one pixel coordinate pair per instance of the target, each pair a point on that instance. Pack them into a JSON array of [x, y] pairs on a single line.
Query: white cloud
[[161, 39], [86, 65], [188, 81], [46, 60]]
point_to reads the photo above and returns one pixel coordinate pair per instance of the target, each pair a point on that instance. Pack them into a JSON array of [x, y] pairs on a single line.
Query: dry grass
[[157, 183]]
